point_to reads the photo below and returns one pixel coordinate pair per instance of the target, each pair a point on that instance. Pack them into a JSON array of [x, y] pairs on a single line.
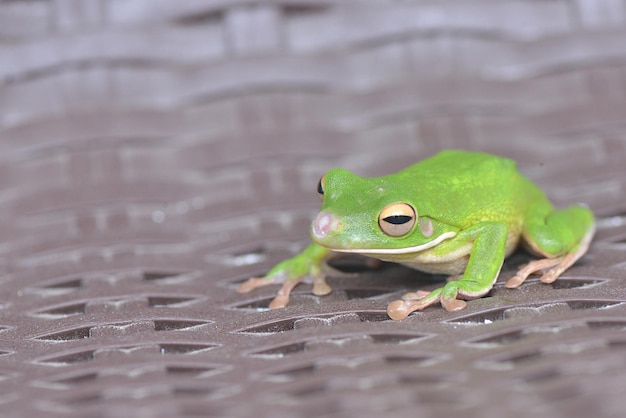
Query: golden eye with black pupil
[[320, 188], [397, 219]]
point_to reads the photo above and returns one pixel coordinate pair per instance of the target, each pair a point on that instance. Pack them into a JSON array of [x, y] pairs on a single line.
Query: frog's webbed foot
[[416, 301], [547, 266], [545, 237], [282, 296], [289, 281], [551, 268], [256, 282]]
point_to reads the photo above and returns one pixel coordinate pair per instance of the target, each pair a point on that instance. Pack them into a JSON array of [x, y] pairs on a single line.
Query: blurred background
[[154, 154]]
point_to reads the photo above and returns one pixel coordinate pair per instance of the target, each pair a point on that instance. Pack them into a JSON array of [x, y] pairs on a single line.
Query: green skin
[[470, 211]]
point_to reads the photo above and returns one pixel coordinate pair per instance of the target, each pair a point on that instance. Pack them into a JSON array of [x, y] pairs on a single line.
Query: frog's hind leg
[[563, 238]]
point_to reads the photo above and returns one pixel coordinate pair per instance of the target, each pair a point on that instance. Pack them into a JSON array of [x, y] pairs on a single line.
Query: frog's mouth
[[404, 250]]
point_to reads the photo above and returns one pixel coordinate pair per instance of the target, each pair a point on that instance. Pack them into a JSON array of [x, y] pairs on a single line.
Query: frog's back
[[456, 171], [464, 163], [463, 187]]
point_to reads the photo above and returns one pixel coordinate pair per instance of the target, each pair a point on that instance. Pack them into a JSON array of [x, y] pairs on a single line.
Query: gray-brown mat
[[153, 155]]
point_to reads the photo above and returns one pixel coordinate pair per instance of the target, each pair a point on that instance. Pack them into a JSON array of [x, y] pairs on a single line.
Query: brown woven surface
[[154, 154]]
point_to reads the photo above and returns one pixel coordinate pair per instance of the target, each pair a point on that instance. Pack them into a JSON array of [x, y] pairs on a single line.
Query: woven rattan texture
[[154, 154]]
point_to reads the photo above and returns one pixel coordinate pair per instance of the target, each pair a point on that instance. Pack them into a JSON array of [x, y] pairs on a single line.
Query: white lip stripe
[[406, 250]]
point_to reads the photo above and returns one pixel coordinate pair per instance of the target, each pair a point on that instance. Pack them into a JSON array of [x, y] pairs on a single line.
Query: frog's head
[[373, 216]]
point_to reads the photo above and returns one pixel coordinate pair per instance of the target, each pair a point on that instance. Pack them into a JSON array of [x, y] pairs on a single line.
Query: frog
[[457, 213]]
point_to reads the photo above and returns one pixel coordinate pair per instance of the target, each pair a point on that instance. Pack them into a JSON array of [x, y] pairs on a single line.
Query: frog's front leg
[[308, 265], [488, 246]]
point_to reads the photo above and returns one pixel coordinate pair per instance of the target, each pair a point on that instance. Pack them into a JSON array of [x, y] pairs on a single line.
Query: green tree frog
[[458, 213]]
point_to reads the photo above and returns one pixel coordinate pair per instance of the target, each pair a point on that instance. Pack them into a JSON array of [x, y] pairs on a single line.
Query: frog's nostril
[[322, 224]]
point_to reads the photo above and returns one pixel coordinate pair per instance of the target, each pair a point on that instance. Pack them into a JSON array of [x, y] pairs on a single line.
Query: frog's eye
[[320, 187], [397, 219]]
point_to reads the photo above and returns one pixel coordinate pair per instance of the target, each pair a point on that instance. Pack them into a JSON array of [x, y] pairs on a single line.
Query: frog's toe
[[549, 277], [449, 296], [282, 297], [514, 281], [255, 282], [419, 295], [531, 268], [453, 305], [400, 309], [320, 287], [279, 302]]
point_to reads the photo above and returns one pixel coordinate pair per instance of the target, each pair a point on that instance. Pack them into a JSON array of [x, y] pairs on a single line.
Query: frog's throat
[[405, 250]]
